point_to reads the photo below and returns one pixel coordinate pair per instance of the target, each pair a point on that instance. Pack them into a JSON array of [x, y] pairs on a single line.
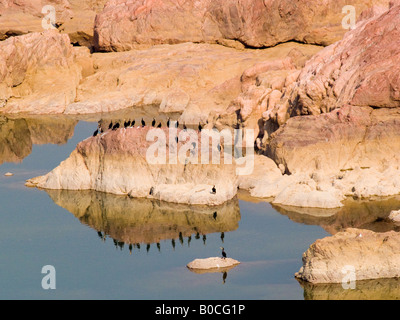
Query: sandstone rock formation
[[330, 142], [197, 81], [146, 221], [40, 76], [214, 264], [19, 17], [130, 162], [370, 255], [73, 17], [123, 25]]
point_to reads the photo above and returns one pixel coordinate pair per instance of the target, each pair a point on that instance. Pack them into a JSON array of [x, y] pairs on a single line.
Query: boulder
[[214, 264], [123, 24], [19, 17], [73, 17], [353, 71], [368, 255], [128, 162], [39, 74], [338, 141], [394, 215]]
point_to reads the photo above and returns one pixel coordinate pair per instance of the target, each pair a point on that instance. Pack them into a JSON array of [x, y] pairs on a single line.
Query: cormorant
[[95, 133], [215, 215], [151, 191], [177, 124], [214, 190], [223, 253], [176, 139], [159, 125], [133, 123], [184, 127], [143, 123], [168, 122], [110, 126], [116, 126], [154, 122], [125, 124], [200, 127]]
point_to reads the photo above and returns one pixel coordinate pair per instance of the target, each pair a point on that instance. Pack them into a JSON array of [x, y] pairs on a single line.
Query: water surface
[[112, 247]]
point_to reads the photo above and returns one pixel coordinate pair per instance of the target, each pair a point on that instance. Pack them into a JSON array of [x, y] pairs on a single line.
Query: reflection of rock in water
[[15, 141], [379, 289], [146, 221], [18, 135], [371, 215]]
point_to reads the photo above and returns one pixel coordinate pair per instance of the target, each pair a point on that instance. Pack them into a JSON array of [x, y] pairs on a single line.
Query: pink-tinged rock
[[255, 23], [38, 73], [343, 139], [126, 162], [360, 70]]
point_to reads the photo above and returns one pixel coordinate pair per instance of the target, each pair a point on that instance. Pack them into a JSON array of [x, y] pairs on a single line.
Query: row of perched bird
[[131, 123]]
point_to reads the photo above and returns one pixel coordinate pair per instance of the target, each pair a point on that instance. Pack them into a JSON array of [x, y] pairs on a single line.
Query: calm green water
[[93, 239]]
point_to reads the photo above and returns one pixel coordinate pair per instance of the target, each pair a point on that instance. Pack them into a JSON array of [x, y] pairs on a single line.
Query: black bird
[[215, 215], [95, 133], [177, 124], [151, 191], [154, 122], [126, 124], [133, 123], [110, 126], [143, 123], [176, 139], [200, 127], [116, 126], [184, 127], [223, 253], [159, 125], [214, 190], [168, 122]]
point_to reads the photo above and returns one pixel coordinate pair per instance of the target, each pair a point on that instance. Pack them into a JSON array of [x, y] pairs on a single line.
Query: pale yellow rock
[[212, 263], [364, 253]]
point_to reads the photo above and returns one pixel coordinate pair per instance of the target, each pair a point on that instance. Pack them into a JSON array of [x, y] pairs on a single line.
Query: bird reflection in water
[[131, 223]]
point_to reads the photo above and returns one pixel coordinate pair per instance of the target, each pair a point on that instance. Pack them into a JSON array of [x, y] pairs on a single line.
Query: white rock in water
[[9, 174], [370, 255], [395, 215], [212, 263]]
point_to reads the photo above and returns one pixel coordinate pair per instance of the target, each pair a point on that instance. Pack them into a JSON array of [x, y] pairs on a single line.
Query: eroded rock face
[[19, 17], [73, 17], [341, 140], [124, 162], [197, 81], [256, 23], [370, 255], [40, 75], [355, 70]]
